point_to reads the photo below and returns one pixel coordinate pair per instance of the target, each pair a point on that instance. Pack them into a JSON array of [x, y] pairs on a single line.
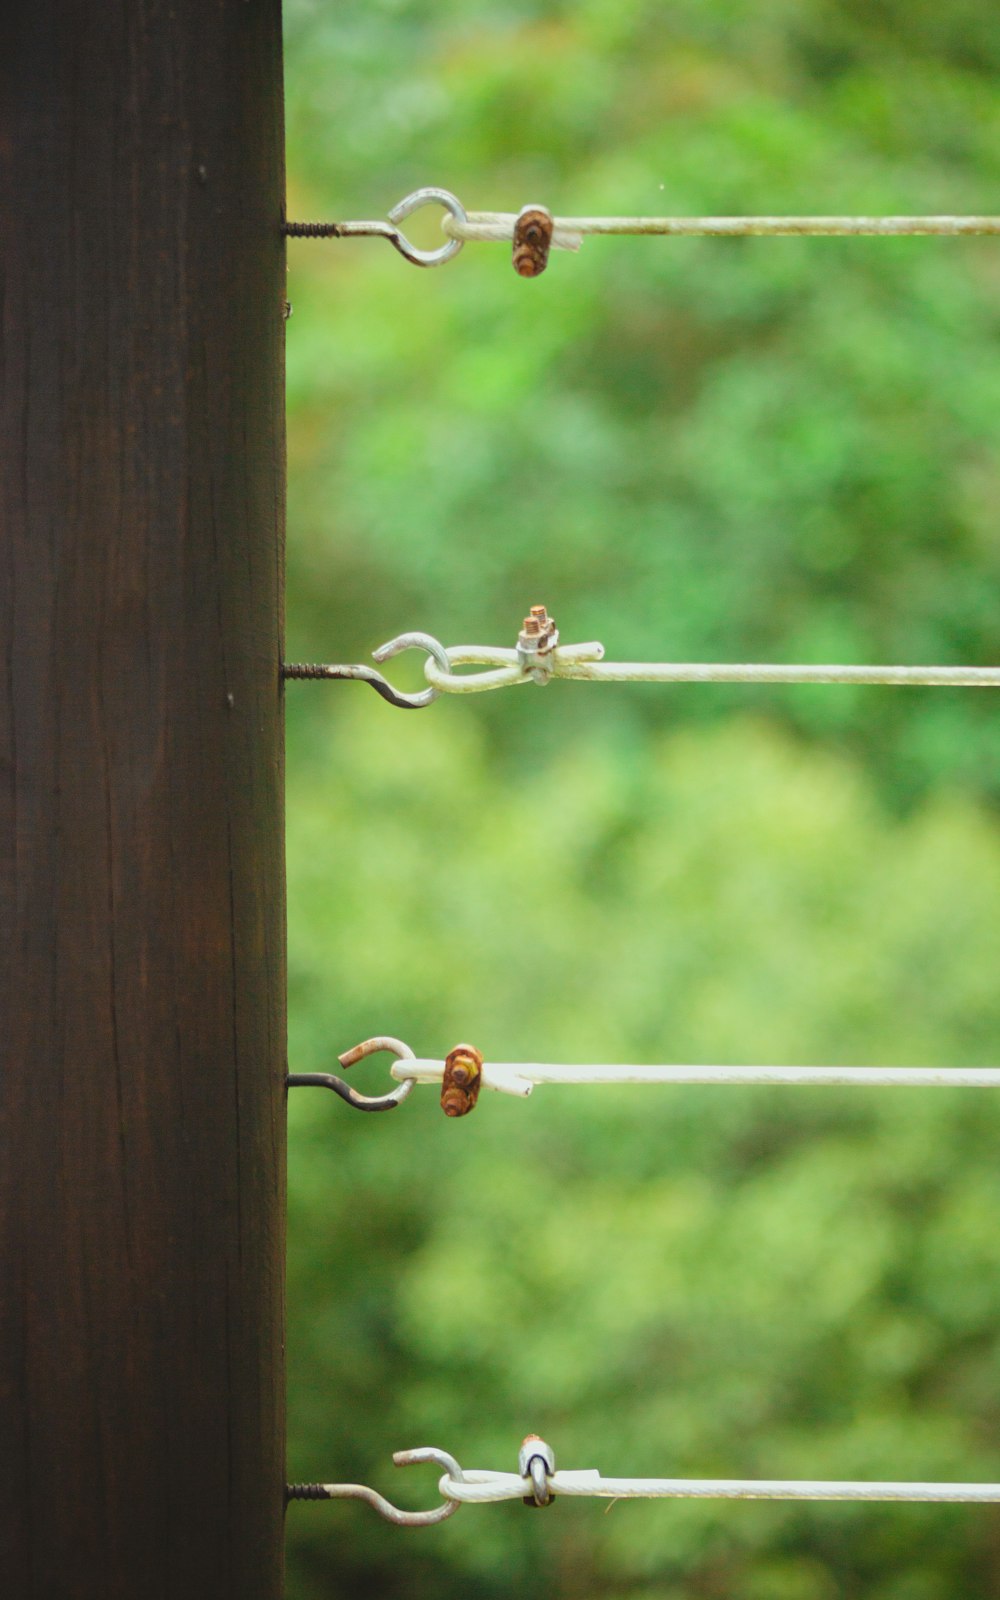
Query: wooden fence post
[[142, 971]]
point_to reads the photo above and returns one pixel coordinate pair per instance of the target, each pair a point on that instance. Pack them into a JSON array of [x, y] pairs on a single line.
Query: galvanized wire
[[583, 663], [520, 1078], [489, 1488], [569, 232], [539, 657], [537, 1482]]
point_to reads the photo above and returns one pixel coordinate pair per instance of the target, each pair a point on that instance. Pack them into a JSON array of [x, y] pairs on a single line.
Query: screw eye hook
[[381, 685], [415, 202], [360, 1102], [378, 1502]]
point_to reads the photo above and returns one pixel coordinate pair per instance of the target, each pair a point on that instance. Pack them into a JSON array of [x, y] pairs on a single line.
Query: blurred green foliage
[[744, 450]]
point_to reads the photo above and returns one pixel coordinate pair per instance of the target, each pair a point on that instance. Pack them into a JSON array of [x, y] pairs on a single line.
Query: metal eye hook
[[378, 1502], [360, 1102], [390, 230], [414, 202], [415, 641], [363, 674]]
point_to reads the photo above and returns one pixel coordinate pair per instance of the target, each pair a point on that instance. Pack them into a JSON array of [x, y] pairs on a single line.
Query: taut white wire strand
[[584, 663], [539, 657], [569, 232], [537, 1481], [520, 1078], [488, 1488]]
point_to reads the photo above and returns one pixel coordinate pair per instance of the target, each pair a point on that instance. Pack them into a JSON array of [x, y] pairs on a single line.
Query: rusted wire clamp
[[532, 241], [461, 1081], [536, 641]]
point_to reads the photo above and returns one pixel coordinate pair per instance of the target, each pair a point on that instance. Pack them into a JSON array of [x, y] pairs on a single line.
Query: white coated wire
[[488, 1488], [569, 232], [458, 1487], [519, 1079], [505, 668]]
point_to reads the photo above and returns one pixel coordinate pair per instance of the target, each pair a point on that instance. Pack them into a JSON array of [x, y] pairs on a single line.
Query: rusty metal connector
[[462, 1080], [533, 229], [536, 1460], [539, 632], [536, 641]]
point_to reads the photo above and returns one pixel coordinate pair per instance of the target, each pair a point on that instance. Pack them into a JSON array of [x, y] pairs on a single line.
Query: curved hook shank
[[360, 1102], [378, 1502], [363, 674]]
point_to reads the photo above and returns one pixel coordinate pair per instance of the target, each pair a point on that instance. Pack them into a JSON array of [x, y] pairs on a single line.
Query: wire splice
[[538, 657]]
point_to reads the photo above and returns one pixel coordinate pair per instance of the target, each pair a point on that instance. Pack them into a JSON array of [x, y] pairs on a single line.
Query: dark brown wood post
[[141, 832]]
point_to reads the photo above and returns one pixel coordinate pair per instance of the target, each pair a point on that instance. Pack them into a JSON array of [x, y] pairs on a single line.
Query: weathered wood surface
[[141, 826]]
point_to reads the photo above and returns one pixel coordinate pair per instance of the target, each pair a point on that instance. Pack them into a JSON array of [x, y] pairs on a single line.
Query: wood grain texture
[[142, 976]]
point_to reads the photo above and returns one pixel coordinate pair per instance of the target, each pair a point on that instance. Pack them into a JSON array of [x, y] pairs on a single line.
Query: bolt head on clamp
[[535, 642], [462, 1080]]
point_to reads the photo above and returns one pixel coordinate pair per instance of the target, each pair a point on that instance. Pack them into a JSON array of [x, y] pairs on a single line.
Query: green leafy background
[[761, 450]]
